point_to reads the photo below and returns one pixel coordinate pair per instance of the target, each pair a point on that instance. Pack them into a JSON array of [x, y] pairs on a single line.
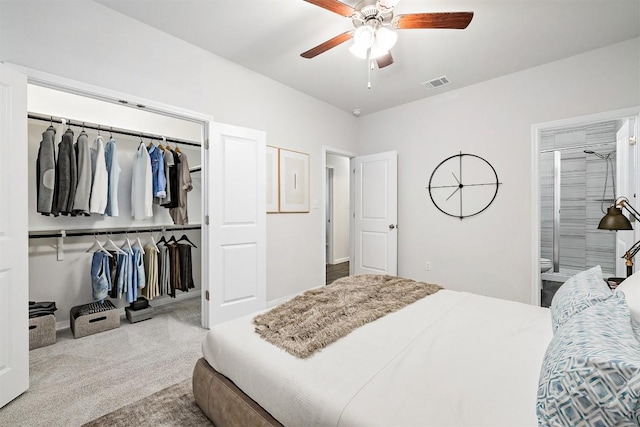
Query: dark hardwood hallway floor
[[336, 271]]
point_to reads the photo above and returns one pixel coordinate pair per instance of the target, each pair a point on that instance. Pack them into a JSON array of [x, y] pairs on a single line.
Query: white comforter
[[449, 359]]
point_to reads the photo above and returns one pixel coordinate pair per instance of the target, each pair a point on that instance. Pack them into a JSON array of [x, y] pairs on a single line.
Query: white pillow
[[631, 289]]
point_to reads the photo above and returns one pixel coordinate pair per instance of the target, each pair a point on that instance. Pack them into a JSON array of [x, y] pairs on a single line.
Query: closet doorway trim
[[63, 84]]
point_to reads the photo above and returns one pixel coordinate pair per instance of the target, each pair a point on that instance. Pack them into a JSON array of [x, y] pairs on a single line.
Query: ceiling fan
[[375, 25]]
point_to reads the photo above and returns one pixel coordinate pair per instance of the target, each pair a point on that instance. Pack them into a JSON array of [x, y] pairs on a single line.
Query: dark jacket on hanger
[[171, 201], [66, 174], [83, 190], [46, 172]]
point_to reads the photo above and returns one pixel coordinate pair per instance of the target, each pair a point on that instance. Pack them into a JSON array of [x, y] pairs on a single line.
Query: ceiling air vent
[[435, 83]]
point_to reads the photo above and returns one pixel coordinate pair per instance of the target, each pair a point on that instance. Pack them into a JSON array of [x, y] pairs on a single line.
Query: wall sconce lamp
[[615, 220]]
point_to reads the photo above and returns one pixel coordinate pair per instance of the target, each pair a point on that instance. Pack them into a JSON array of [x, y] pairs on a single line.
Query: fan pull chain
[[369, 68]]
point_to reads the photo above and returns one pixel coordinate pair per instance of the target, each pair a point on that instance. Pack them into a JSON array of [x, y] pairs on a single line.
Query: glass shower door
[[550, 179]]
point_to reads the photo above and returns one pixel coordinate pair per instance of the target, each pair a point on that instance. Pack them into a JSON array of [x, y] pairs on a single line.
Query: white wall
[[85, 41], [340, 166], [490, 253]]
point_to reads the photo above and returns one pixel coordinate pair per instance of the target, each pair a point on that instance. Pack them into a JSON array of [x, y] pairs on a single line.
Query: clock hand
[[444, 186], [454, 192], [454, 176], [475, 185]]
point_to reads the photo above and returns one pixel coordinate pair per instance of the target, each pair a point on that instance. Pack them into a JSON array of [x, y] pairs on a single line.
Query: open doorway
[[582, 167], [60, 246], [337, 204]]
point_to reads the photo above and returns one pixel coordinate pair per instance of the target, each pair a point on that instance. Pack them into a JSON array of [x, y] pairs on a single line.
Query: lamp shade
[[364, 37], [614, 220], [386, 38]]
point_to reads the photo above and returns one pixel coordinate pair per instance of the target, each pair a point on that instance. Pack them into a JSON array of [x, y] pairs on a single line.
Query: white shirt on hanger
[[100, 181], [141, 185]]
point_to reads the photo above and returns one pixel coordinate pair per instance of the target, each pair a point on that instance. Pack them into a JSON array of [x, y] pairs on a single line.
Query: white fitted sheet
[[449, 359]]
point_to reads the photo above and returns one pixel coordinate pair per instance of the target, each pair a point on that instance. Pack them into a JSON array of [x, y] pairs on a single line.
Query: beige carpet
[[75, 381], [172, 406]]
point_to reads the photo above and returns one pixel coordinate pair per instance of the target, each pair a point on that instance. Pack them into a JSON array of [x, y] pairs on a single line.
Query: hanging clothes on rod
[[141, 185], [152, 288], [99, 177], [178, 211], [66, 175], [46, 172], [158, 177], [83, 189], [113, 176]]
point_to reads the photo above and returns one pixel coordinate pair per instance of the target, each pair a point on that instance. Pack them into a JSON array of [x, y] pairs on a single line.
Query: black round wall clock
[[463, 185]]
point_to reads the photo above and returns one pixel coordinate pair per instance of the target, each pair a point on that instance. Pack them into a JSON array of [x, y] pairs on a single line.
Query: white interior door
[[237, 216], [625, 187], [329, 216], [14, 269], [376, 214]]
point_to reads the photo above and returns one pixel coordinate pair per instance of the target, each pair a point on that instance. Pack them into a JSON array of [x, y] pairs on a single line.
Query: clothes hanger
[[110, 244], [153, 243], [126, 244], [138, 243], [97, 247], [162, 240], [51, 124], [185, 238], [172, 239], [83, 132]]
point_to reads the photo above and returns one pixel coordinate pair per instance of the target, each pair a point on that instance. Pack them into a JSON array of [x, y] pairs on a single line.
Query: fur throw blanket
[[318, 317]]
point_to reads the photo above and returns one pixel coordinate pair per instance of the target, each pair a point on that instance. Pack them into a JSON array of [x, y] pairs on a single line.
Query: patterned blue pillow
[[590, 374], [579, 292]]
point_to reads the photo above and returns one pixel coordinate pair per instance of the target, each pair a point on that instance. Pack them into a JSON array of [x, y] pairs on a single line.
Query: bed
[[448, 359]]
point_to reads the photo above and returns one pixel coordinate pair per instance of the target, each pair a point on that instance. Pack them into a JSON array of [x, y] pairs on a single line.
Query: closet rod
[[110, 129], [104, 232]]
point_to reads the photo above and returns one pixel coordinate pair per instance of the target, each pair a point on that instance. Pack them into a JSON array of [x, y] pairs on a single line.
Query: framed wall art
[[294, 181], [273, 174]]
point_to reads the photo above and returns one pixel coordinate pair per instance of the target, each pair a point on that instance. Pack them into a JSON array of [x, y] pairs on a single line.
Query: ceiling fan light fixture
[[389, 4], [386, 38], [377, 50], [358, 51], [364, 37], [361, 52]]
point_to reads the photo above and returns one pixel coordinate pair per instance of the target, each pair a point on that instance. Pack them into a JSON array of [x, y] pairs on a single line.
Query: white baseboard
[[164, 300], [340, 260]]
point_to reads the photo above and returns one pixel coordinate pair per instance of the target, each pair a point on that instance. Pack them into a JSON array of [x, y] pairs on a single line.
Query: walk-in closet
[[65, 234]]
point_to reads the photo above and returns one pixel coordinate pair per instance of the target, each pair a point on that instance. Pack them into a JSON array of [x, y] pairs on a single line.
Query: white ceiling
[[267, 36]]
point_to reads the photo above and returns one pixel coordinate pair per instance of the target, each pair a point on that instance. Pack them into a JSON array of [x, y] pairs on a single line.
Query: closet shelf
[[105, 231], [109, 129]]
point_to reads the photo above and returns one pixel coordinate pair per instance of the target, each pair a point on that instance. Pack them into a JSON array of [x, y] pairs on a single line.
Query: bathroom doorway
[[584, 165]]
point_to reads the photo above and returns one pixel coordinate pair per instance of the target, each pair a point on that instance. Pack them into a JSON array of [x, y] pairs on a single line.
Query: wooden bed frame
[[224, 403]]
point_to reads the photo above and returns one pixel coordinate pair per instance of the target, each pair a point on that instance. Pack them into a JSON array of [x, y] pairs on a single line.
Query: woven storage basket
[[89, 319], [42, 331], [135, 316]]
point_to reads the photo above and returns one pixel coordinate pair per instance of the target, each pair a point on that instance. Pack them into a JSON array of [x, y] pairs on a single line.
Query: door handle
[[391, 226]]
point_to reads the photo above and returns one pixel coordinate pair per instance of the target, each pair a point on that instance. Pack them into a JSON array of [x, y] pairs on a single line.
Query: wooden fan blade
[[384, 60], [334, 6], [323, 47], [453, 20]]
